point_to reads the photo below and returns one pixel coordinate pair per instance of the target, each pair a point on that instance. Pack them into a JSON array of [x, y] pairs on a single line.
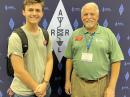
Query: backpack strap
[[46, 35], [23, 38]]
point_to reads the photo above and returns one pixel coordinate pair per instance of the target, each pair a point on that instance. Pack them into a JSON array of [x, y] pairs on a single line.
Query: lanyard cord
[[90, 42]]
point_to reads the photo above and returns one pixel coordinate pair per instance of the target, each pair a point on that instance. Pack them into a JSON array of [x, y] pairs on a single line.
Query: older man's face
[[89, 16]]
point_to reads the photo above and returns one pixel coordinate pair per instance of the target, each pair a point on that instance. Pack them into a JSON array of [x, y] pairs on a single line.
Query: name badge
[[87, 57]]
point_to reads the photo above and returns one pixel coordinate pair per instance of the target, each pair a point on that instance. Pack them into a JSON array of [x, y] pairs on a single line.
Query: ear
[[42, 13], [81, 16], [23, 12], [98, 16]]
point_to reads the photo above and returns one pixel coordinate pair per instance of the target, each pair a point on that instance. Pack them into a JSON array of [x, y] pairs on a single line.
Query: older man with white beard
[[93, 58]]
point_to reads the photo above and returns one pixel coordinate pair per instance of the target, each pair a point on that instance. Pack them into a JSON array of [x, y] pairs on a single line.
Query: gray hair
[[92, 4]]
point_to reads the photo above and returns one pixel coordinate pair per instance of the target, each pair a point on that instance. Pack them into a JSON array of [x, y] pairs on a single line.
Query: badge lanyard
[[90, 42]]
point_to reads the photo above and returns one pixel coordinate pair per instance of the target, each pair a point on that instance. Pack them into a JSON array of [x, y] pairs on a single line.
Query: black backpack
[[24, 40]]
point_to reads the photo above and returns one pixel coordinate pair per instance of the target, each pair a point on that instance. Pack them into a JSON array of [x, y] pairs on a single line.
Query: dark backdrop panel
[[113, 14]]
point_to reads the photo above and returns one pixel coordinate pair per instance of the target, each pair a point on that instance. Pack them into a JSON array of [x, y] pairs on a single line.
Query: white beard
[[89, 25]]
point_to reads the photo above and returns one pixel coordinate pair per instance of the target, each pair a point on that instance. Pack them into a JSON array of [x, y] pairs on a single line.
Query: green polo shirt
[[104, 49]]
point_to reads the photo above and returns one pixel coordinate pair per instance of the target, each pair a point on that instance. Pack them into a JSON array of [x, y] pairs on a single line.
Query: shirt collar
[[86, 32]]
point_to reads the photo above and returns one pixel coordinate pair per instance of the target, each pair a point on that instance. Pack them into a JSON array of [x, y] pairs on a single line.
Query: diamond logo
[[128, 37], [60, 30], [59, 90], [75, 24], [121, 9], [118, 37], [1, 81], [44, 24], [125, 64], [105, 24], [1, 94], [11, 23], [129, 51], [127, 76]]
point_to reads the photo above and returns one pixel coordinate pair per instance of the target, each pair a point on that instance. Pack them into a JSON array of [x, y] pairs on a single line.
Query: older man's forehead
[[93, 5], [90, 6]]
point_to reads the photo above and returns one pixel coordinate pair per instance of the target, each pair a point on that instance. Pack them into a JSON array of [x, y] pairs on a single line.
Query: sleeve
[[68, 51], [14, 45], [115, 50], [49, 46]]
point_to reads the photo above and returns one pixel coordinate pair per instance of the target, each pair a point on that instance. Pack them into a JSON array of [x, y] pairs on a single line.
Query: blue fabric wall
[[113, 14]]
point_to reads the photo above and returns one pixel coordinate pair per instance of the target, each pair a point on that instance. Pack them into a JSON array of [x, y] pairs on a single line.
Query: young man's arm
[[41, 89], [68, 75], [110, 91], [49, 68], [21, 73]]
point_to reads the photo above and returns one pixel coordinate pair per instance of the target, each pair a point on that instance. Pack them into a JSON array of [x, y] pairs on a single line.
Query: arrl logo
[[60, 29], [7, 7]]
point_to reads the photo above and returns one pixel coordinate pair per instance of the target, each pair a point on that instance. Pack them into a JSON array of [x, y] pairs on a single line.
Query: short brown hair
[[28, 2]]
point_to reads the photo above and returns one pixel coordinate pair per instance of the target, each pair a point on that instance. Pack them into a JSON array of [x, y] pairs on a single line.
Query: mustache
[[90, 20]]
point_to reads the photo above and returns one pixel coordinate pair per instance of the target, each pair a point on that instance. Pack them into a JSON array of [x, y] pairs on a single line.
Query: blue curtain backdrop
[[113, 14]]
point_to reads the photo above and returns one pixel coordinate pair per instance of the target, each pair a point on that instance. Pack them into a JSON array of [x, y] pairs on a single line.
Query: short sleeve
[[49, 46], [115, 50], [14, 45], [68, 51]]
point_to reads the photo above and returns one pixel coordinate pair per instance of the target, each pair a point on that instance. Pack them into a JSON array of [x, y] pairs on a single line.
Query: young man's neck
[[32, 28]]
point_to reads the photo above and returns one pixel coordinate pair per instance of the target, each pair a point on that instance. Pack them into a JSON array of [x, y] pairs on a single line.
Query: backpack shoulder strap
[[23, 38], [46, 35]]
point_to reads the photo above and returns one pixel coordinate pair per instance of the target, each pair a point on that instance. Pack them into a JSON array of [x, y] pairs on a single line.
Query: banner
[[61, 18]]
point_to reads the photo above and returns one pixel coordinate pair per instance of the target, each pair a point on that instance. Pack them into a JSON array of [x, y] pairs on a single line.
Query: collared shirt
[[104, 48]]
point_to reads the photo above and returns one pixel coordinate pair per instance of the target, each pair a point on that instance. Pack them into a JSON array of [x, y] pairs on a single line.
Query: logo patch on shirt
[[78, 38], [99, 40]]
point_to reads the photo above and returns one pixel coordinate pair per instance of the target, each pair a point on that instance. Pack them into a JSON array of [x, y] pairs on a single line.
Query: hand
[[68, 89], [41, 90], [110, 92], [10, 92]]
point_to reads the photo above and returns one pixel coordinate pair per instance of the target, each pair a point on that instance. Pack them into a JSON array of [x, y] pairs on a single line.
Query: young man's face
[[33, 13]]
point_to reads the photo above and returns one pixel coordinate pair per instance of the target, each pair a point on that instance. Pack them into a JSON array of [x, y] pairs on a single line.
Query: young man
[[94, 54], [32, 71]]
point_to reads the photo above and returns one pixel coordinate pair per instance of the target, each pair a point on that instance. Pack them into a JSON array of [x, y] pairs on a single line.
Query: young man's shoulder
[[14, 35]]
